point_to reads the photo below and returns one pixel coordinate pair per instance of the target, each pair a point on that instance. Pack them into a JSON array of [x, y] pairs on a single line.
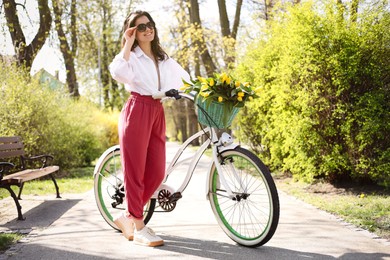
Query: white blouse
[[139, 73]]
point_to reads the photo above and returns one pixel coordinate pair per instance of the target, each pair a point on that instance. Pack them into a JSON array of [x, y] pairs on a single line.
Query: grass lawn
[[367, 207]]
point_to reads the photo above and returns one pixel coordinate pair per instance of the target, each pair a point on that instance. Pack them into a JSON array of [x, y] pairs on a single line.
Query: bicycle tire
[[251, 218], [108, 180]]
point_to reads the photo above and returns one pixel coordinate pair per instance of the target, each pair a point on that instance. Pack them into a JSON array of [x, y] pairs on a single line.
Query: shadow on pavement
[[224, 251], [42, 215], [54, 253]]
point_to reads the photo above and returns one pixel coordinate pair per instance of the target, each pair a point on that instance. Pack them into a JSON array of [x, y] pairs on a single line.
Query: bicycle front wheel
[[109, 188], [251, 217]]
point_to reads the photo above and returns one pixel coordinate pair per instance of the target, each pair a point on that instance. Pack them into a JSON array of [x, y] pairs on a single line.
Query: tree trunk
[[268, 7], [223, 18], [25, 54], [182, 116], [193, 125], [237, 18], [104, 60], [229, 46], [354, 10], [341, 10], [200, 44], [68, 52]]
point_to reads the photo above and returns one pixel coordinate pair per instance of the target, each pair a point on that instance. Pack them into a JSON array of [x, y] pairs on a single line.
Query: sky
[[50, 58]]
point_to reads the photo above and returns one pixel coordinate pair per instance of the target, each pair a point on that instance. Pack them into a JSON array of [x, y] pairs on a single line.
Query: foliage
[[73, 131], [8, 239], [324, 108]]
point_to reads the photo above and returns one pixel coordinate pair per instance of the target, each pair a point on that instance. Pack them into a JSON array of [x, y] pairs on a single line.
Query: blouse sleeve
[[121, 70]]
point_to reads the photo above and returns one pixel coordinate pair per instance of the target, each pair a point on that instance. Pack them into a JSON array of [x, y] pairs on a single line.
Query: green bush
[[324, 109], [50, 122]]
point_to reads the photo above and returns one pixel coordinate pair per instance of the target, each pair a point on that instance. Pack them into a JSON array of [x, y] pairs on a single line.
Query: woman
[[144, 68]]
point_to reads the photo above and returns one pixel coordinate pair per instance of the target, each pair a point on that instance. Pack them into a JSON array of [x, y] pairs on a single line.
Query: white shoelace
[[150, 231]]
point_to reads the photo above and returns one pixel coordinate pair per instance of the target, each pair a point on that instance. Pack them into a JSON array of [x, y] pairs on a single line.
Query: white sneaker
[[147, 237], [126, 225]]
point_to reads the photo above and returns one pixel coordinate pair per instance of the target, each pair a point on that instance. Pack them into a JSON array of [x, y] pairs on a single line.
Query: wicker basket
[[215, 114]]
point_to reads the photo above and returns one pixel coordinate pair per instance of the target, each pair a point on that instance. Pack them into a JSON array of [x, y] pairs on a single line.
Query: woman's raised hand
[[130, 35]]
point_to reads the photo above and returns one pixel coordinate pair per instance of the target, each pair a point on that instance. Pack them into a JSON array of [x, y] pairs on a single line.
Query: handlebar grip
[[170, 93], [173, 93]]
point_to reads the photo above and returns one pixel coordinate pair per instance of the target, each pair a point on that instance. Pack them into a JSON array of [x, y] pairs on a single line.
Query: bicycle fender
[[104, 155], [228, 147]]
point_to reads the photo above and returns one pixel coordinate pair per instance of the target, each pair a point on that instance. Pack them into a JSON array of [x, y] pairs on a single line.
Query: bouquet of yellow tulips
[[220, 97]]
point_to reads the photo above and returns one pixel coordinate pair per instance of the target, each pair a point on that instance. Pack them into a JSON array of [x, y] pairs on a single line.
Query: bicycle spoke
[[109, 189], [250, 217]]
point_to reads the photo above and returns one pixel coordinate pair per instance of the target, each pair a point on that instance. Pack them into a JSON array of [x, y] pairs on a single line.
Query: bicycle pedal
[[175, 197]]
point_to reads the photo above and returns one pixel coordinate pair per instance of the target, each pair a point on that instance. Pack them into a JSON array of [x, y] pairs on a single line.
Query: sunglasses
[[142, 26]]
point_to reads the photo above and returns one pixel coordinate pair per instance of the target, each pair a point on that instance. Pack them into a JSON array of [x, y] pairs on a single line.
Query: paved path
[[71, 228]]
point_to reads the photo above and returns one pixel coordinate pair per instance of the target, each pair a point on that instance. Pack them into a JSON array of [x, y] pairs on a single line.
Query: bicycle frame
[[217, 148]]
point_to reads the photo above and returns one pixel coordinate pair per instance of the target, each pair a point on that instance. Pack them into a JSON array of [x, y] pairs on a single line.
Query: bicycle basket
[[215, 114]]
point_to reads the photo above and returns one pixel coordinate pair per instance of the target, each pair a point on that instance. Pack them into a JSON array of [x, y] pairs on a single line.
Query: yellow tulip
[[220, 99], [239, 98], [237, 84], [201, 79], [240, 94], [250, 98], [247, 84], [223, 77], [228, 79], [204, 87], [212, 82]]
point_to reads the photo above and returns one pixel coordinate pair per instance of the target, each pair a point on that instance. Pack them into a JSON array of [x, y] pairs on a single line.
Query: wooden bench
[[12, 147]]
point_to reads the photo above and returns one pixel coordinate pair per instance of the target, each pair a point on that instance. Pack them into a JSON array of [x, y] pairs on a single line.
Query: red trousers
[[142, 142]]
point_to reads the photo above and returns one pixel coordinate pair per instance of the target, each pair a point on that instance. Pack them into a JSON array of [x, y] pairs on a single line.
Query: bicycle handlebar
[[172, 93]]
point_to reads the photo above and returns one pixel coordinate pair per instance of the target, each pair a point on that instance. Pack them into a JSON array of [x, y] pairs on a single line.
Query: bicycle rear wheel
[[109, 188], [252, 216]]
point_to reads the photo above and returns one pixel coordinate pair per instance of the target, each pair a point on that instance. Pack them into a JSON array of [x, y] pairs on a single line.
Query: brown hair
[[157, 50]]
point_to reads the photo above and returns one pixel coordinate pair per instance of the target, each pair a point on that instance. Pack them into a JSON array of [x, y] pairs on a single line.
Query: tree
[[229, 36], [107, 51], [25, 54], [354, 10], [99, 42], [199, 41], [68, 50]]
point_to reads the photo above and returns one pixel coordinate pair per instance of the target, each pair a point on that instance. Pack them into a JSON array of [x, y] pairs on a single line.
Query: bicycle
[[241, 191]]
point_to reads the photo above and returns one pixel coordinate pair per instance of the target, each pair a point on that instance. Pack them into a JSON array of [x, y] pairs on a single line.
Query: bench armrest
[[4, 168], [44, 160]]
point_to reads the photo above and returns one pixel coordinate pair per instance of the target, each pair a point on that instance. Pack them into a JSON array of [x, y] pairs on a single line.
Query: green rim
[[221, 215], [102, 203]]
